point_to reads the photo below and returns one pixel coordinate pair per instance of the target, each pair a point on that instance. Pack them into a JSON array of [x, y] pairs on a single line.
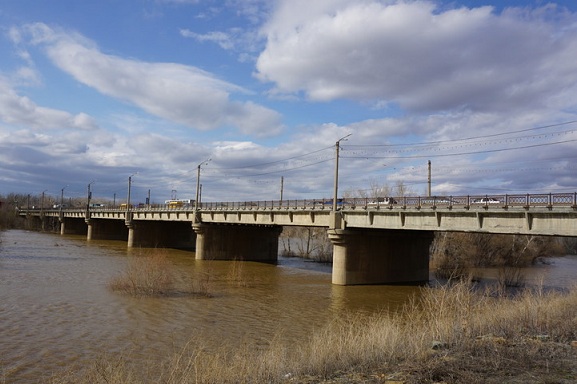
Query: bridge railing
[[418, 202], [548, 200]]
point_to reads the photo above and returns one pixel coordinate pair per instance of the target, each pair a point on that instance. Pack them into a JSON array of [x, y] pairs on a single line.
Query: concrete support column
[[69, 226], [199, 249], [236, 242], [130, 226], [90, 224], [368, 256]]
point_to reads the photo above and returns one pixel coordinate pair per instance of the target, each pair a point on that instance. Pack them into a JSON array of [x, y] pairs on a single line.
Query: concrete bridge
[[380, 241]]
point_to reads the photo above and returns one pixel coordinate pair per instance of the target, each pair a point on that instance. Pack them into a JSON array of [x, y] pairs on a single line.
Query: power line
[[459, 153], [469, 138], [277, 161], [283, 170]]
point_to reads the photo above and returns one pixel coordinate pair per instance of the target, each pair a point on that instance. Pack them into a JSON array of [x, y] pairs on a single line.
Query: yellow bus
[[178, 203]]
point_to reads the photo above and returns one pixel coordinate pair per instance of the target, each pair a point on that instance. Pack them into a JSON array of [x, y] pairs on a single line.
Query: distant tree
[[377, 190], [455, 253], [306, 242], [9, 217]]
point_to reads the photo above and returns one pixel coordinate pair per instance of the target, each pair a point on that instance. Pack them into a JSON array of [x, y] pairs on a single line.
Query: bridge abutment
[[370, 256], [237, 242]]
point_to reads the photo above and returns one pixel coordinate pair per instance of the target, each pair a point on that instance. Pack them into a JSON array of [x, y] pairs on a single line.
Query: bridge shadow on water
[[304, 264]]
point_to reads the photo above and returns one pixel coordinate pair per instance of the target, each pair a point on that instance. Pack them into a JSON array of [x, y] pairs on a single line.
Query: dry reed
[[151, 274], [147, 274]]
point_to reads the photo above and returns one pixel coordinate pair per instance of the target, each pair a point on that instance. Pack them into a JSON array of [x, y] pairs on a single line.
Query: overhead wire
[[459, 153], [472, 137], [277, 161]]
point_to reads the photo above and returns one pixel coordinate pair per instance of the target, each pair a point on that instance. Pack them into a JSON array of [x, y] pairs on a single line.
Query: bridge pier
[[152, 233], [72, 226], [102, 229], [371, 256], [237, 242], [130, 239]]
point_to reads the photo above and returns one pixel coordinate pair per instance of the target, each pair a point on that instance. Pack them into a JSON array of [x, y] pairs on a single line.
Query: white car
[[487, 200], [383, 201]]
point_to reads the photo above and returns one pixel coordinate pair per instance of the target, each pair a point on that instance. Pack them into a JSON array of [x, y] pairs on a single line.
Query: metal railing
[[547, 200]]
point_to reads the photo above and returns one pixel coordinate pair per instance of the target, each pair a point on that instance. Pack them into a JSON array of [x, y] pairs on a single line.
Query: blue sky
[[94, 92]]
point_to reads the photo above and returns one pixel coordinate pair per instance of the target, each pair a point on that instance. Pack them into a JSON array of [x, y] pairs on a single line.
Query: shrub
[[148, 275]]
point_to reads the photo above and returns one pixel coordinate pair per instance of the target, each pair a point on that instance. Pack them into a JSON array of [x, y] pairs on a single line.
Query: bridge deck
[[542, 214]]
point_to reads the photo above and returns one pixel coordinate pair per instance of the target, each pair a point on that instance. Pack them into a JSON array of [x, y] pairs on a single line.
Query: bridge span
[[375, 241]]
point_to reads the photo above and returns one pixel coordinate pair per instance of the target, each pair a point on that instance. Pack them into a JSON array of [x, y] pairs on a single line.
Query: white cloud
[[420, 74], [176, 92], [20, 110], [421, 57], [223, 39]]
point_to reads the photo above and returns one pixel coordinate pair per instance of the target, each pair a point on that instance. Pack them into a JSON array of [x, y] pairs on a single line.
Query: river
[[57, 311]]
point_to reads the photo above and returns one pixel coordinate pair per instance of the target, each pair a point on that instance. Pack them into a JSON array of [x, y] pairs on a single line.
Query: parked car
[[487, 200]]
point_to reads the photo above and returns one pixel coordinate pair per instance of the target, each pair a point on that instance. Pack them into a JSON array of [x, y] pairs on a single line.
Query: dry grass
[[450, 334], [146, 274], [236, 275]]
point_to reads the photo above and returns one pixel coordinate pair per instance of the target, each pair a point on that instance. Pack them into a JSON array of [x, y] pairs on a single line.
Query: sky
[[254, 95]]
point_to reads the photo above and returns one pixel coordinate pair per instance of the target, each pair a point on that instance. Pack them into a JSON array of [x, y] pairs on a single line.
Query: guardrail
[[546, 200]]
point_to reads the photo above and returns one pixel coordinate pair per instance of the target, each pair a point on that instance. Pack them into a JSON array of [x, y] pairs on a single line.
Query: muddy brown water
[[57, 312]]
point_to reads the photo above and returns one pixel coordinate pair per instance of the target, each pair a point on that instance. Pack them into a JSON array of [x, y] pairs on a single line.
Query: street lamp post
[[196, 200], [336, 186]]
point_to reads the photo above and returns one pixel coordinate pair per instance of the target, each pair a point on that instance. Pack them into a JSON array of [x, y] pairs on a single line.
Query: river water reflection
[[56, 310]]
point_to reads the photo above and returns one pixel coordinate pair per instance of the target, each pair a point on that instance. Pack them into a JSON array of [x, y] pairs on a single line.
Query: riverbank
[[450, 334]]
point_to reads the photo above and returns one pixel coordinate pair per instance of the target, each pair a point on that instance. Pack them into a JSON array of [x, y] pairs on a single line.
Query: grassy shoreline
[[451, 334]]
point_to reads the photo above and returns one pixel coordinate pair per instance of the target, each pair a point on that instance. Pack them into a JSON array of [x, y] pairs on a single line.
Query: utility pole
[[336, 186], [196, 202], [281, 188], [62, 199], [127, 218], [429, 180], [42, 209], [88, 197], [42, 203]]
